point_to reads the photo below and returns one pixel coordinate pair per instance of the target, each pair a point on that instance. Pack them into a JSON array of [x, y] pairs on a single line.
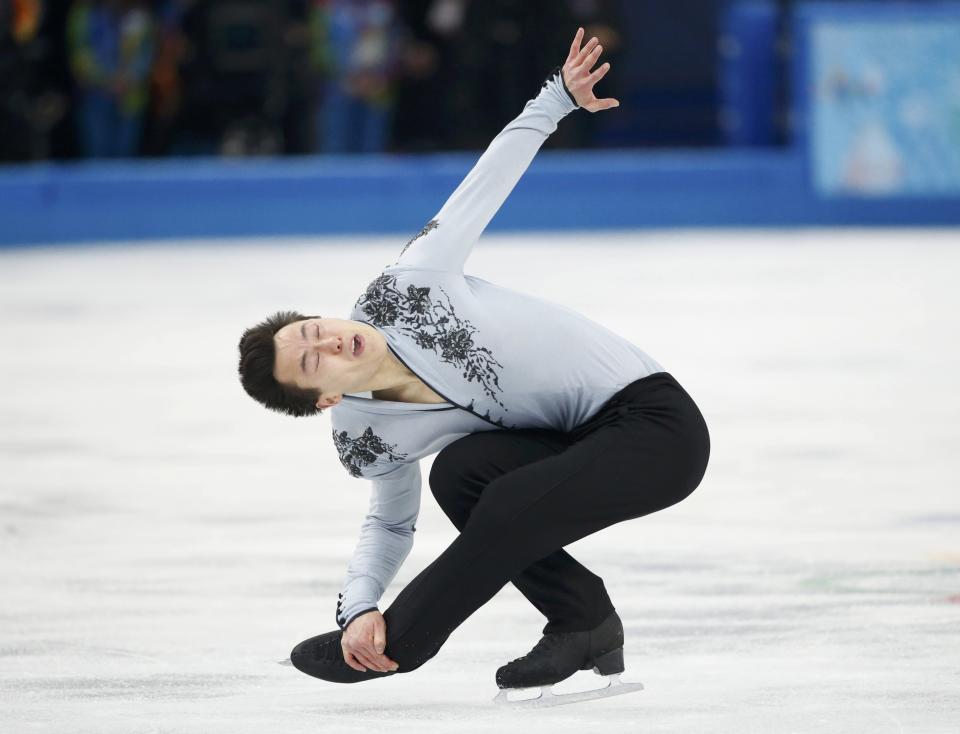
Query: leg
[[375, 126], [645, 452], [95, 123], [649, 458], [127, 135], [567, 594]]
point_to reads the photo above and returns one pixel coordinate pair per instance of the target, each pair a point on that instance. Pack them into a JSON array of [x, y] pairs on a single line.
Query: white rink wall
[[164, 541]]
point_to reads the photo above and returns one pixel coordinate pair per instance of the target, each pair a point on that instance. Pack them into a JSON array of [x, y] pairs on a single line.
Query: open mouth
[[357, 345]]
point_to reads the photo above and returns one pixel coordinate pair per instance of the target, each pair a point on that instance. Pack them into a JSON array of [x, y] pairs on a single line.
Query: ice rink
[[164, 540]]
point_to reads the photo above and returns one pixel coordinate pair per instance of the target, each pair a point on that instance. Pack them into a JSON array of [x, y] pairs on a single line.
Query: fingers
[[603, 104], [369, 661], [374, 653], [368, 655], [350, 660], [598, 74], [366, 652], [575, 46], [585, 51], [380, 643], [580, 80], [592, 57], [363, 657], [379, 637]]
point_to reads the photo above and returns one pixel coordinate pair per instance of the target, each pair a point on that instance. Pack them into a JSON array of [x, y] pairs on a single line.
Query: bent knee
[[455, 464], [448, 462], [445, 481]]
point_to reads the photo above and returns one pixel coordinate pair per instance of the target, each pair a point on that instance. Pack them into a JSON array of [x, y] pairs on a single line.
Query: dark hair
[[257, 357]]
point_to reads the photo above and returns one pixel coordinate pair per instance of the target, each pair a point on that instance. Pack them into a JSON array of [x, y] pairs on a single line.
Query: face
[[320, 354]]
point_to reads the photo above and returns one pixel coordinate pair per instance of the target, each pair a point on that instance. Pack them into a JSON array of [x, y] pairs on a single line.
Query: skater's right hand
[[363, 642]]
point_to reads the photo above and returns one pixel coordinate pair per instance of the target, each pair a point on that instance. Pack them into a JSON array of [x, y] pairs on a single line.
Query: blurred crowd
[[125, 78]]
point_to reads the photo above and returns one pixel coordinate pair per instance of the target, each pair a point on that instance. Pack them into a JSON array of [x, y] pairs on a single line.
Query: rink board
[[362, 195]]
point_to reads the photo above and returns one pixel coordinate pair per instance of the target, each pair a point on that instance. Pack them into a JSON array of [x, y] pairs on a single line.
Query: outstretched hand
[[578, 77]]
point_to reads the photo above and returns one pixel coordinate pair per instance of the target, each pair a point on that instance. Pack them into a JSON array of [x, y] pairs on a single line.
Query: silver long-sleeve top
[[501, 359]]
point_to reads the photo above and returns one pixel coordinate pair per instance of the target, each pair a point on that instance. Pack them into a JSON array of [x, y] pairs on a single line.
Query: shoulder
[[364, 450], [401, 292]]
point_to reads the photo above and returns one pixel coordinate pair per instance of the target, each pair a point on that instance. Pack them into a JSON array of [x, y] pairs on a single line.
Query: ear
[[324, 403]]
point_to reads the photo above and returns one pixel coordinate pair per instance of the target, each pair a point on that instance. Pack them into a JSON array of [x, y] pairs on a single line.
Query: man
[[111, 53], [549, 427]]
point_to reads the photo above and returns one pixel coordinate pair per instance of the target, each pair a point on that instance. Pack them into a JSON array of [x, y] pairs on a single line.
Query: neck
[[392, 377]]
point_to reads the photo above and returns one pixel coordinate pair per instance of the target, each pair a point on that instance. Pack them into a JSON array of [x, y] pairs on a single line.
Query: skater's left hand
[[578, 77]]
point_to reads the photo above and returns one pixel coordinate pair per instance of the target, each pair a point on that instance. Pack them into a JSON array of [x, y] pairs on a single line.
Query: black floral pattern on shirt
[[356, 453], [429, 227], [433, 324]]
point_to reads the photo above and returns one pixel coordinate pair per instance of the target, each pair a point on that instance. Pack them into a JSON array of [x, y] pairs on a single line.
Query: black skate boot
[[322, 657], [559, 655]]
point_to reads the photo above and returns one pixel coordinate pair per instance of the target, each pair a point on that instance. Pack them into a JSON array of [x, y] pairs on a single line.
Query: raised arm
[[447, 239]]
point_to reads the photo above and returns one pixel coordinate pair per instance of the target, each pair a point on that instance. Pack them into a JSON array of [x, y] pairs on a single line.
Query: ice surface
[[164, 541]]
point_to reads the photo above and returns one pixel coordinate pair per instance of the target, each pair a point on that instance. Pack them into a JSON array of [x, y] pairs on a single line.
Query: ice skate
[[559, 655], [322, 657]]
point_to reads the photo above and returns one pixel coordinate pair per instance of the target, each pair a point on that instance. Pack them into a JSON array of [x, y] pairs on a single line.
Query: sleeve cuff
[[558, 72], [360, 595]]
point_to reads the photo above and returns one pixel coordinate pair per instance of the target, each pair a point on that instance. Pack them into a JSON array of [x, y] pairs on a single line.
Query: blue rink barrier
[[609, 189]]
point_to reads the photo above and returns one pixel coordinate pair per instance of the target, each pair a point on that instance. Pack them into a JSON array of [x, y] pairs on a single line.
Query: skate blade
[[547, 697]]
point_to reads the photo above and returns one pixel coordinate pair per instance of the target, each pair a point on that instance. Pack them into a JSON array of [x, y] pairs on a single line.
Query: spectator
[[505, 49], [24, 18], [232, 77], [300, 80], [54, 82], [33, 99], [18, 134], [429, 74], [111, 50], [165, 83], [356, 47]]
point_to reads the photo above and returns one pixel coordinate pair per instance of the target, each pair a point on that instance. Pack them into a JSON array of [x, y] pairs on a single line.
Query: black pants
[[518, 497]]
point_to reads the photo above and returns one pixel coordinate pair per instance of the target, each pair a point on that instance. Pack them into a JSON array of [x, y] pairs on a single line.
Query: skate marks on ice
[[740, 595], [556, 695], [172, 686]]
